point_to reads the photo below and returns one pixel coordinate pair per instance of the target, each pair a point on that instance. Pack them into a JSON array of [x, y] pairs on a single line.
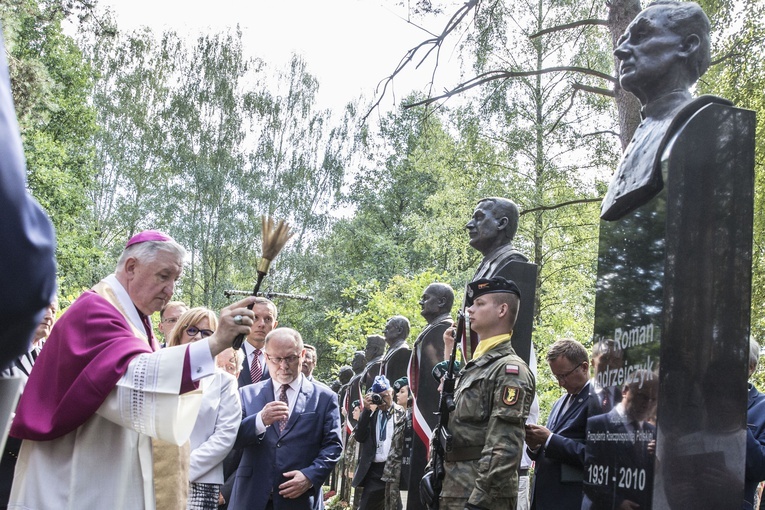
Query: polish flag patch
[[512, 369]]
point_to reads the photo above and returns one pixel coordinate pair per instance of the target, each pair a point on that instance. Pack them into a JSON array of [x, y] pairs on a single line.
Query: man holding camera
[[375, 432]]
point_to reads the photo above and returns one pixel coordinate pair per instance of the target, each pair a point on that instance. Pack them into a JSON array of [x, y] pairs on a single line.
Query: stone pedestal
[[524, 274], [672, 305]]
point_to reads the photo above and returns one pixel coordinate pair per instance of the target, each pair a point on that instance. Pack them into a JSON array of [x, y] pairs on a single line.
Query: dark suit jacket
[[310, 443], [365, 434], [607, 492], [27, 261], [755, 445], [244, 375], [559, 465]]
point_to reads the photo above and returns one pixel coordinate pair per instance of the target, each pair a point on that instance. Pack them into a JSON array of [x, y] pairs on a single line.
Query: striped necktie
[[283, 398], [256, 372]]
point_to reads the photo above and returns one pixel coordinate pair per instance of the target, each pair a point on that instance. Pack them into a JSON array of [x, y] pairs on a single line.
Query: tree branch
[[433, 43], [490, 76], [580, 23], [737, 52], [604, 132], [562, 204], [594, 90]]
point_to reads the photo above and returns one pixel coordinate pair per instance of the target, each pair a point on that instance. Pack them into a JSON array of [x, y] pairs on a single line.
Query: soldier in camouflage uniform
[[493, 396], [396, 457]]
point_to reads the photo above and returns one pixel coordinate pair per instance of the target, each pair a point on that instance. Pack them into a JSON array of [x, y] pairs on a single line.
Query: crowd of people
[[109, 417]]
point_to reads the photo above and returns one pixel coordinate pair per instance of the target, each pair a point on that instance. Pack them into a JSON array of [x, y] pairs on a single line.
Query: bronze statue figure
[[373, 354], [436, 305], [492, 230], [396, 360], [661, 55]]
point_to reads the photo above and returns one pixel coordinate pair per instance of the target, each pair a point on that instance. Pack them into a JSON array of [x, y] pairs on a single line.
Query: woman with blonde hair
[[218, 420]]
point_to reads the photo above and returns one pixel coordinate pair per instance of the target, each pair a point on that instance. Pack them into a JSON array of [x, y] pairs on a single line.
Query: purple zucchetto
[[148, 235]]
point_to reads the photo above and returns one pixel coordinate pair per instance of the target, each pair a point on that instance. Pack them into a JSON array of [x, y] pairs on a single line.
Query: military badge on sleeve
[[510, 395]]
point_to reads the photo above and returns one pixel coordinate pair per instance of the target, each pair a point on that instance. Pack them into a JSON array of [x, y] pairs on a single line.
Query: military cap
[[400, 383], [439, 371], [493, 285], [356, 403]]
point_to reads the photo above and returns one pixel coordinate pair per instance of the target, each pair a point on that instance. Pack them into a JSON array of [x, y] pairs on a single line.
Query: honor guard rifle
[[441, 443]]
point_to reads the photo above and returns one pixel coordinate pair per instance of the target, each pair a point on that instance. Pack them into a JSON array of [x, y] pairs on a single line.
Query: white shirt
[[383, 445], [249, 350], [292, 391]]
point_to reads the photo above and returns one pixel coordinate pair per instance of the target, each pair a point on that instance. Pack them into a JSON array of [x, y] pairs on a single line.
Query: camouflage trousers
[[392, 496], [459, 504]]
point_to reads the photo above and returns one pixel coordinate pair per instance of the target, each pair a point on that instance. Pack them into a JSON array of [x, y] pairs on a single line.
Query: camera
[[377, 399]]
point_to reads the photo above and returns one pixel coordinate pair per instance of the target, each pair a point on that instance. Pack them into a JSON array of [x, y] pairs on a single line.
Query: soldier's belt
[[464, 453]]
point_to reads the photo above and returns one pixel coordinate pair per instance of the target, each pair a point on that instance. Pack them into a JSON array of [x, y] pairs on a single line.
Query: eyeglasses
[[193, 330], [564, 376], [289, 359], [170, 320]]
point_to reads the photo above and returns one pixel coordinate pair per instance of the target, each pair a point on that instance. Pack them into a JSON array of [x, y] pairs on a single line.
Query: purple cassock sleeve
[[85, 356]]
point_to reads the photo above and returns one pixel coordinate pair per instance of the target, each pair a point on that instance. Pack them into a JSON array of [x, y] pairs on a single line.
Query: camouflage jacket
[[392, 471], [493, 396]]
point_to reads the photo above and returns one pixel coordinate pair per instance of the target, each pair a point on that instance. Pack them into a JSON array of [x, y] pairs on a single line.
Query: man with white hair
[[102, 391], [755, 432]]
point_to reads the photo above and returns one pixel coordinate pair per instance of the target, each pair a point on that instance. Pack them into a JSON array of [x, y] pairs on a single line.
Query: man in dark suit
[[255, 368], [28, 262], [619, 452], [374, 432], [558, 449], [290, 433]]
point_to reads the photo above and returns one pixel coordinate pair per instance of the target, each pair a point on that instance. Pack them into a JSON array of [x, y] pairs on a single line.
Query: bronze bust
[[661, 55]]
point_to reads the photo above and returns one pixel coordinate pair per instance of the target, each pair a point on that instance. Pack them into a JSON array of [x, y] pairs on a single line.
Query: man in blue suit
[[558, 449], [254, 370], [290, 433]]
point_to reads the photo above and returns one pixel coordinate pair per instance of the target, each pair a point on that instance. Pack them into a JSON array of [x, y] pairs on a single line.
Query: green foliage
[[194, 141], [50, 82], [738, 74], [150, 130], [399, 296]]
